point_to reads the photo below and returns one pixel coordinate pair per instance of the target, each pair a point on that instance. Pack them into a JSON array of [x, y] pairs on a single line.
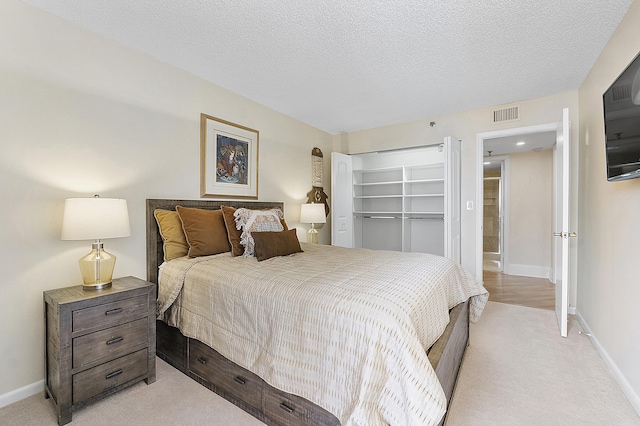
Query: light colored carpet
[[517, 371], [174, 399]]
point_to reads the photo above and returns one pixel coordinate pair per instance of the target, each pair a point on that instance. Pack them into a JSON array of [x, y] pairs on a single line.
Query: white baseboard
[[628, 391], [22, 393], [532, 271]]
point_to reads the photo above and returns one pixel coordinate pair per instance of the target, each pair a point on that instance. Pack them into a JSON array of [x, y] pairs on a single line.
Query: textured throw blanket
[[344, 328]]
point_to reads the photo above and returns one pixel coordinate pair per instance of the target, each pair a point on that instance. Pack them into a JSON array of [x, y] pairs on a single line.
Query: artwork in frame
[[228, 159]]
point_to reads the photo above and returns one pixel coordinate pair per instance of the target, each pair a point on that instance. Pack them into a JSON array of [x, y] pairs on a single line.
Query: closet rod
[[398, 217], [381, 217]]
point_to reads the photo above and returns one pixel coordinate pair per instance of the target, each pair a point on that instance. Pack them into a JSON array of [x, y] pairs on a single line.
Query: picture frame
[[228, 159]]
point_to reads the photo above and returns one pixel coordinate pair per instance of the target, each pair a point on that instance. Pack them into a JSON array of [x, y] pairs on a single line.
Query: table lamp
[[95, 219], [312, 213]]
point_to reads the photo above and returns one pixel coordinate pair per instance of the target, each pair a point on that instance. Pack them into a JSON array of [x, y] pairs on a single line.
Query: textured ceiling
[[520, 143], [356, 64]]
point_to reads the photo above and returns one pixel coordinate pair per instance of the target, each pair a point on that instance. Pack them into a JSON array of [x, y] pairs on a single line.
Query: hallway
[[517, 290]]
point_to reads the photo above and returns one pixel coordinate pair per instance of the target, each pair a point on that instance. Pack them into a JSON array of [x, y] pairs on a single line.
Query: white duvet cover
[[344, 328]]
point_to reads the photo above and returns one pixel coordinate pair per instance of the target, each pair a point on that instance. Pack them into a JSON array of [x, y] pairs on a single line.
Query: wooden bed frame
[[245, 389]]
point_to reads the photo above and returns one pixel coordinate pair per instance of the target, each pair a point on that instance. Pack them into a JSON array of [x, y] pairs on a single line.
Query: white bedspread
[[344, 328]]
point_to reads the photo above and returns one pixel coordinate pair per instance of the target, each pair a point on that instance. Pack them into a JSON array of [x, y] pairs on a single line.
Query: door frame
[[503, 242], [480, 138]]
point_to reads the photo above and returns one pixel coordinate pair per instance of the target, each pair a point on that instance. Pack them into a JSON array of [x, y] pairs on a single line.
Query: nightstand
[[98, 342]]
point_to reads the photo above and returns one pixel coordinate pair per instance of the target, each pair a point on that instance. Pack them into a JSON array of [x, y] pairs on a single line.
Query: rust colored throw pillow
[[234, 234], [174, 243], [205, 231], [272, 244]]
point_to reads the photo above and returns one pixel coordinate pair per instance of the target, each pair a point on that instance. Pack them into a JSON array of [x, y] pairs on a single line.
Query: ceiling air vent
[[506, 114], [621, 92]]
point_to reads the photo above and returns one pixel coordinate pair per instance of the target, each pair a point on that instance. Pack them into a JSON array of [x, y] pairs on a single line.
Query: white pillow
[[249, 221]]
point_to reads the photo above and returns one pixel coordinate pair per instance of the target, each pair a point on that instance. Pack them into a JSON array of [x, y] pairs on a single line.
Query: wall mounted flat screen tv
[[622, 124]]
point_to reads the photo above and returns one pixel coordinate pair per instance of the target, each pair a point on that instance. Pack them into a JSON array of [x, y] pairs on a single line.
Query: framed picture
[[228, 159]]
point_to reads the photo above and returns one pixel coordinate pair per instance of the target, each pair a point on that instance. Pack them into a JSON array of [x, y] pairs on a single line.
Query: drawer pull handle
[[114, 374], [202, 360], [113, 311], [116, 340], [286, 408], [240, 380]]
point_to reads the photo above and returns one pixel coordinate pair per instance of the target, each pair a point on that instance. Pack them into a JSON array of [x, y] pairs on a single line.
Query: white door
[[341, 200], [452, 198], [562, 233], [502, 209]]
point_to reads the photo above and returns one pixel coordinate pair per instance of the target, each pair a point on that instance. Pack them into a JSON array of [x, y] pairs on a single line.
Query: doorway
[[504, 142], [527, 279], [560, 267]]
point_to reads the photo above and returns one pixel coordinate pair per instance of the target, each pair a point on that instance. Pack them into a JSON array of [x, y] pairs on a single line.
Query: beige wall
[[530, 211], [84, 115], [609, 231]]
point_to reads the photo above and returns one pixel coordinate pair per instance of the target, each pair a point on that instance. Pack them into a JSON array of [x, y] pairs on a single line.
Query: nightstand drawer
[[110, 343], [231, 378], [114, 373], [110, 314]]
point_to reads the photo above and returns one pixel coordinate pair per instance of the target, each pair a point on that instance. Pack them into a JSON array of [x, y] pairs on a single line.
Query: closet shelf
[[438, 180], [380, 170], [389, 182], [377, 196]]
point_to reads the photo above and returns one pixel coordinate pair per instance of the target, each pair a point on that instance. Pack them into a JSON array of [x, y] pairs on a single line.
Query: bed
[[269, 355]]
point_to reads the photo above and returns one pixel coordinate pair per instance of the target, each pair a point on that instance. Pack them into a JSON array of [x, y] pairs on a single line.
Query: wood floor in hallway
[[517, 290]]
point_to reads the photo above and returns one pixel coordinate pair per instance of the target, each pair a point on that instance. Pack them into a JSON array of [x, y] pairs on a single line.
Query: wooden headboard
[[155, 254]]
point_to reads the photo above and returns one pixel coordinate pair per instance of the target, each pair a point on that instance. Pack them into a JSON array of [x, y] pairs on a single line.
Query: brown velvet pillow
[[234, 234], [174, 243], [272, 244], [205, 231]]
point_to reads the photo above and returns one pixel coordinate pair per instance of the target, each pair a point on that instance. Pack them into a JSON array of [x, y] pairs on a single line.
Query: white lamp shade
[[95, 219], [312, 213]]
